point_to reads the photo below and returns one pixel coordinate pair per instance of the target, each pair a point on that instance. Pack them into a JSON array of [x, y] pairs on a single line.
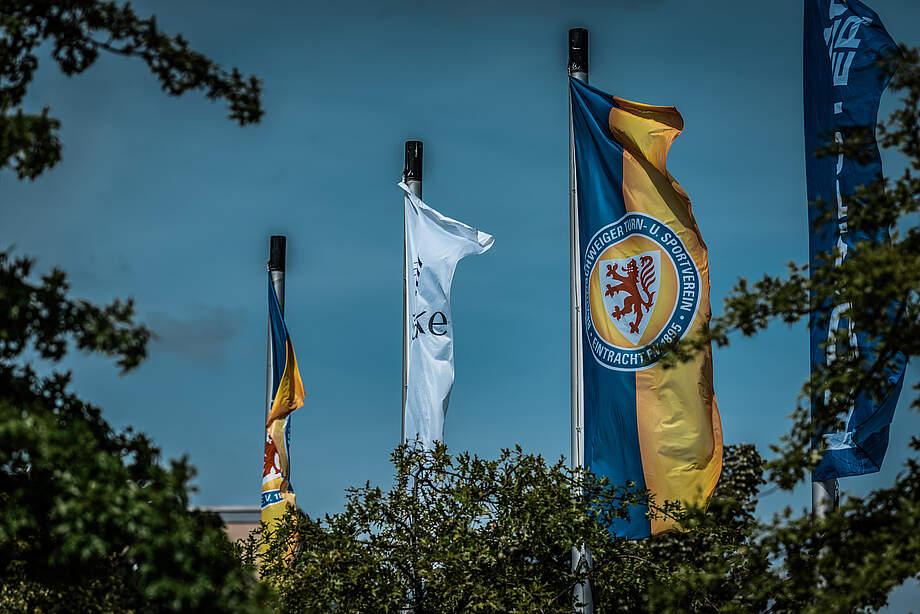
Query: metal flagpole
[[825, 497], [412, 175], [277, 248], [577, 68]]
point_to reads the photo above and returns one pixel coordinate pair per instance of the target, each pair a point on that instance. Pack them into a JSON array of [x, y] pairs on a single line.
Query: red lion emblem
[[272, 461], [630, 283]]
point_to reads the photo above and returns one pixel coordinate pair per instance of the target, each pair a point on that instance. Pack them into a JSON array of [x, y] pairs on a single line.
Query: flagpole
[[578, 69], [412, 175], [825, 497], [276, 263]]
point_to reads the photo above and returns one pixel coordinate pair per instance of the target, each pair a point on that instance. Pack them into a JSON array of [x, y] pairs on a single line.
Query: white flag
[[434, 245]]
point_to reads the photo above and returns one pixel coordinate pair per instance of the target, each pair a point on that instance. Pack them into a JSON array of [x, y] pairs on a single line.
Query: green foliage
[[76, 31], [90, 521], [40, 318], [463, 534]]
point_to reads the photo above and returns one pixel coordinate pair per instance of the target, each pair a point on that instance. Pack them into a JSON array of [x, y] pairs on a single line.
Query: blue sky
[[166, 201]]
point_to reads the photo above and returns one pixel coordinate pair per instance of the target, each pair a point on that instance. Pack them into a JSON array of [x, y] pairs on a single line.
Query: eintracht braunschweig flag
[[644, 278], [434, 245], [287, 396]]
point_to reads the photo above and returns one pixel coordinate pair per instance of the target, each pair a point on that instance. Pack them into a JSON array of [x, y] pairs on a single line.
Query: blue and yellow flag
[[644, 283], [287, 396], [844, 80]]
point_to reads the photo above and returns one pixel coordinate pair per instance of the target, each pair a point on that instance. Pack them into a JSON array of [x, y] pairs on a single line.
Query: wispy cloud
[[201, 335]]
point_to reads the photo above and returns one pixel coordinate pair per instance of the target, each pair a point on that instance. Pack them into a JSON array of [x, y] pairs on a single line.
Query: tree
[[90, 519], [77, 32], [463, 534]]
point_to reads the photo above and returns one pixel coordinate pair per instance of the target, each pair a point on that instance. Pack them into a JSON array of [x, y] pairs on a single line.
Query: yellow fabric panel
[[290, 394], [680, 432], [646, 133], [272, 512]]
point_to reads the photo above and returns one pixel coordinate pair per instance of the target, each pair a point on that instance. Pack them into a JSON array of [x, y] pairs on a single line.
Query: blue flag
[[844, 80]]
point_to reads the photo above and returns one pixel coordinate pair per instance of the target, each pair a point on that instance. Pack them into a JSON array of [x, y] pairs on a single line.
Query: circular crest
[[642, 290]]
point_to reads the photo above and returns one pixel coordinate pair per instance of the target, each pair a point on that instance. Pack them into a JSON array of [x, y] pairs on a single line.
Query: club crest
[[630, 288], [641, 290]]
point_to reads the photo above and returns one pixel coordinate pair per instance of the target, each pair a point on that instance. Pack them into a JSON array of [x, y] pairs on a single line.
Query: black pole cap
[[413, 168], [276, 253], [578, 50]]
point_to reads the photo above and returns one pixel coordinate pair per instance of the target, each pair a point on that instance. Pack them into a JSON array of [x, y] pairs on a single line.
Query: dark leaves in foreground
[[76, 32]]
